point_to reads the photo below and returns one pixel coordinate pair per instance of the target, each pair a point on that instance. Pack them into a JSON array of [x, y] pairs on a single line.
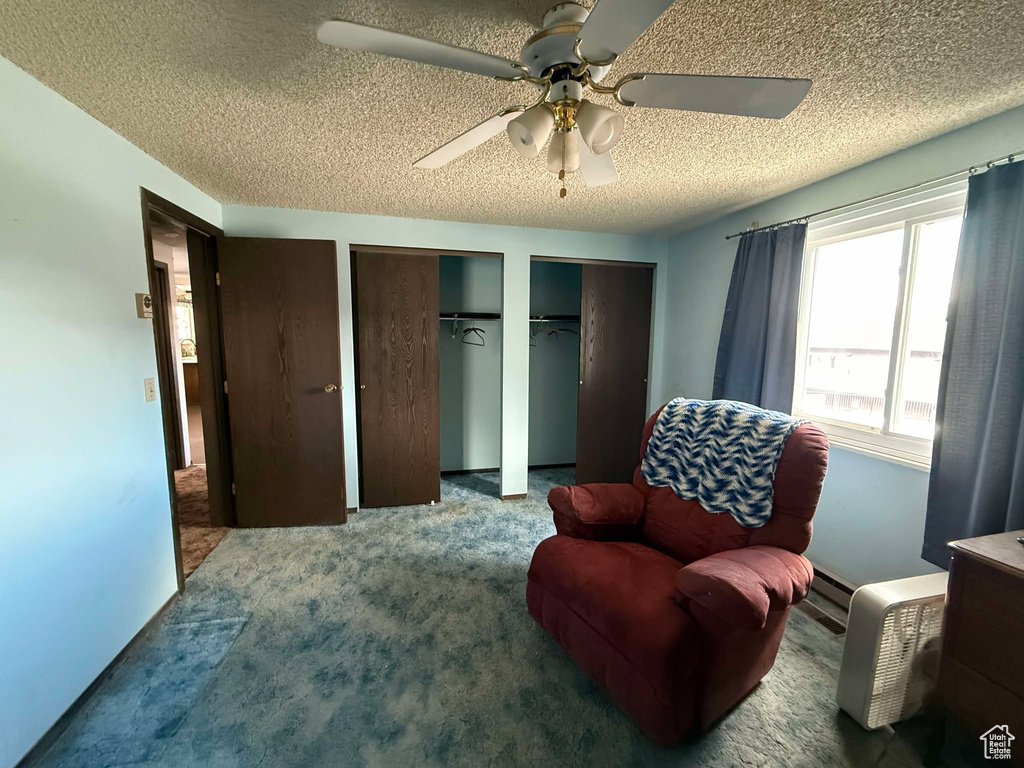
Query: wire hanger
[[555, 331], [467, 339]]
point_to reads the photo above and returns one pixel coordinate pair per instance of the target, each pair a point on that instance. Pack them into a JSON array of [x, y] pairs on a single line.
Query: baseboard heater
[[831, 586]]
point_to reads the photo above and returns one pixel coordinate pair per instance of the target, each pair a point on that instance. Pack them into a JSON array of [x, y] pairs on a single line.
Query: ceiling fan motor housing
[[552, 45]]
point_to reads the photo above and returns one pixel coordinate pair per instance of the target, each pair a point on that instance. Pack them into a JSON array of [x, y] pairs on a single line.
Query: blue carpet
[[140, 707], [402, 639]]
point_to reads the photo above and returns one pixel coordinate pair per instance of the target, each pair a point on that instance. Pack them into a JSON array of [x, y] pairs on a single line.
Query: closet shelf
[[554, 318], [470, 316]]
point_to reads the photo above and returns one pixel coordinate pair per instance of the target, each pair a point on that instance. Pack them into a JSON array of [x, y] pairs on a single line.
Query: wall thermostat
[[144, 305]]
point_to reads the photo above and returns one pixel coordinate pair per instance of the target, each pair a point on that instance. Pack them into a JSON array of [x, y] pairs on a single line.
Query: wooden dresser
[[981, 679]]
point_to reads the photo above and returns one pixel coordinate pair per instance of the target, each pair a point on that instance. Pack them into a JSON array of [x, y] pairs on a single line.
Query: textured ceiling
[[239, 98]]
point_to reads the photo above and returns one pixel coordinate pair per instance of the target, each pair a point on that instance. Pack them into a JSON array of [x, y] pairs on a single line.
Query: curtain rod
[[969, 171]]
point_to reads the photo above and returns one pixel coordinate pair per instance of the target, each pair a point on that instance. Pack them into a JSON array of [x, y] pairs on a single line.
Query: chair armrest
[[599, 511], [740, 586]]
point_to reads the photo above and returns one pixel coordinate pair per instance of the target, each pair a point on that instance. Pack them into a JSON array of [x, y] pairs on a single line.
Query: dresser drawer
[[990, 631]]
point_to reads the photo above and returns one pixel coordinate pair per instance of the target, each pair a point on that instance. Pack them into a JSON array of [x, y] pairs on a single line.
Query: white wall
[[86, 553], [165, 254], [870, 522], [516, 243]]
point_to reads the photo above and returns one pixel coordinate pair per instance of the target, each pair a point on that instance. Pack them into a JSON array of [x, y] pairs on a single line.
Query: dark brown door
[[170, 403], [397, 373], [202, 268], [615, 333], [279, 301]]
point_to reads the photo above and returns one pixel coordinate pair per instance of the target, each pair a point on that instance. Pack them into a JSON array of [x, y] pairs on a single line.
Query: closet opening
[[555, 296], [428, 371], [469, 344], [590, 333]]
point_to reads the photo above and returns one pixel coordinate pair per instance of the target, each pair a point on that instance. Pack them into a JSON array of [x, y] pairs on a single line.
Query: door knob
[[330, 388]]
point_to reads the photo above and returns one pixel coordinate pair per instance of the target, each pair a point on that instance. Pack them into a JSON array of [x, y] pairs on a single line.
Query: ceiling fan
[[567, 57]]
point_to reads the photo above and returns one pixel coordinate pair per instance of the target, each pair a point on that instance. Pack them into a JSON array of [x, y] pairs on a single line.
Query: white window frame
[[883, 215]]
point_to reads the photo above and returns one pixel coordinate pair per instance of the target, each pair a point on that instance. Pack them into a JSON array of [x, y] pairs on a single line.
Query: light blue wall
[[86, 552], [555, 289], [470, 374], [870, 521], [516, 243]]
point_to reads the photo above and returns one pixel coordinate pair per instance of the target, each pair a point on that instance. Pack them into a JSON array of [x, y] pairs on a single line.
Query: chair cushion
[[626, 593]]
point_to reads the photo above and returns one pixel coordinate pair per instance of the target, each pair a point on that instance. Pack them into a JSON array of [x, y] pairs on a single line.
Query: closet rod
[[496, 316], [948, 177], [470, 316]]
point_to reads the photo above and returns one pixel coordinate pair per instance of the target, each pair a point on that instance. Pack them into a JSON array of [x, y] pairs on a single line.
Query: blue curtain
[[757, 348], [977, 479]]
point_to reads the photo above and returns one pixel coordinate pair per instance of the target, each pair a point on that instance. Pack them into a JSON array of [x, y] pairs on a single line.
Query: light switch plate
[[150, 390]]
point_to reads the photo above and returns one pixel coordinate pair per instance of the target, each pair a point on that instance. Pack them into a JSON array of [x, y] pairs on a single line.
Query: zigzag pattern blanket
[[721, 453]]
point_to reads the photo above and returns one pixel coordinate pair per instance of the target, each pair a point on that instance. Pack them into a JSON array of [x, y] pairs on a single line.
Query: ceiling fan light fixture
[[530, 131], [600, 127], [563, 152]]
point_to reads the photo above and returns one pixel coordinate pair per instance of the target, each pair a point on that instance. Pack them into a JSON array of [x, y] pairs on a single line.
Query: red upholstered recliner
[[678, 613]]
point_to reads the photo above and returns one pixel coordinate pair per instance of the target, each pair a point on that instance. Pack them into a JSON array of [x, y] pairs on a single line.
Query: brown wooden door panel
[[202, 268], [398, 378], [279, 300], [170, 403], [615, 328]]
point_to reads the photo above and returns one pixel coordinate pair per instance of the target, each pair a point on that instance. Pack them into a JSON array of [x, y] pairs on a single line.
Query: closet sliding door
[[615, 334], [396, 295]]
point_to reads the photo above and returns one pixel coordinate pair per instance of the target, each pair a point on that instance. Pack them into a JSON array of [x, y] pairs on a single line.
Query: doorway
[[179, 255], [257, 318], [590, 330]]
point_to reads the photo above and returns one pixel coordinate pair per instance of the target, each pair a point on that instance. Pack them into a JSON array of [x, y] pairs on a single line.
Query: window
[[872, 322]]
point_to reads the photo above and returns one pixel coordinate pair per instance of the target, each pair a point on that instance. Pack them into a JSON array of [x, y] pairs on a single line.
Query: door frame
[[207, 271], [355, 248]]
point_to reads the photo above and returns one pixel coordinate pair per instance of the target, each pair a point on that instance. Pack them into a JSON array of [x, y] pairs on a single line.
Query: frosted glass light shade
[[529, 132], [599, 126], [572, 152]]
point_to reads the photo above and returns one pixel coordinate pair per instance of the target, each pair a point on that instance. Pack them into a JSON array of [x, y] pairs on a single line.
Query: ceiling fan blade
[[773, 97], [597, 170], [614, 25], [357, 37], [468, 140]]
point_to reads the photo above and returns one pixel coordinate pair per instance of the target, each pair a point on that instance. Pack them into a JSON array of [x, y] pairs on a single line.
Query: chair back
[[685, 530]]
